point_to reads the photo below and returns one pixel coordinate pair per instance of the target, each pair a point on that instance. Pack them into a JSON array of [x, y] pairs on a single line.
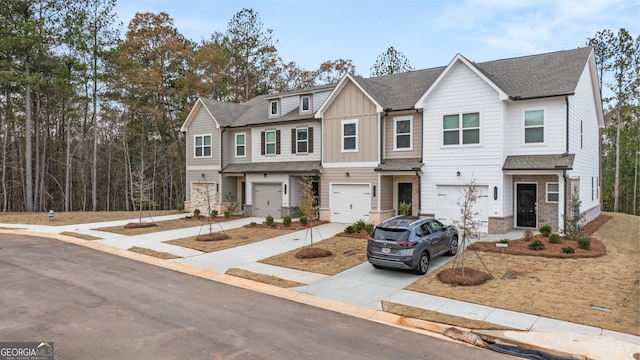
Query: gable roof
[[534, 76]]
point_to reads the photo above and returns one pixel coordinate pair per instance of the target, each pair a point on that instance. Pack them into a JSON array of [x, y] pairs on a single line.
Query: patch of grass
[[237, 237], [77, 217], [434, 316], [611, 281], [80, 236], [158, 254], [346, 253], [267, 279], [160, 226]]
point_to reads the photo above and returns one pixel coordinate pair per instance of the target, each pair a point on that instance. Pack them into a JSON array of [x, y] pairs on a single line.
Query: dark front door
[[526, 205], [405, 195]]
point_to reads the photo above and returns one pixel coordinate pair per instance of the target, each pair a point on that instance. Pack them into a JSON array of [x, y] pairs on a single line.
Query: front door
[[526, 205], [405, 195]]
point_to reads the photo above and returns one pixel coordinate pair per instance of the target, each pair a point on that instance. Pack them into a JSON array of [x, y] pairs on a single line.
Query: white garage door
[[350, 203], [267, 200], [447, 208]]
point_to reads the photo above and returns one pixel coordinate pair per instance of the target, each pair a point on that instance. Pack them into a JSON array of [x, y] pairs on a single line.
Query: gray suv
[[409, 242]]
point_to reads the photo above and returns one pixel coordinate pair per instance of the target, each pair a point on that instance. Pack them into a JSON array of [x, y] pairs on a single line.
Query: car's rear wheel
[[453, 246], [423, 264]]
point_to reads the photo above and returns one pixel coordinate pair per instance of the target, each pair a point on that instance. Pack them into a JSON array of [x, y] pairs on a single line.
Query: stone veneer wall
[[500, 225]]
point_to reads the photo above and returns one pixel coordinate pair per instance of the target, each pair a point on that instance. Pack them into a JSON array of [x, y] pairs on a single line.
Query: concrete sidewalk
[[364, 286]]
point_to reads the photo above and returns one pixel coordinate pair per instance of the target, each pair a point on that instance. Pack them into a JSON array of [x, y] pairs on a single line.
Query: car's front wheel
[[423, 264], [453, 246]]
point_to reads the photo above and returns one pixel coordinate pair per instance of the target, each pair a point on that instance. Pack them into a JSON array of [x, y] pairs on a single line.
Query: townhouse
[[525, 130]]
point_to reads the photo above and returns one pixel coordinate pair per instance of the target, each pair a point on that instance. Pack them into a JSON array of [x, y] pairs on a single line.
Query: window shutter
[[293, 141], [310, 140], [262, 143], [278, 142]]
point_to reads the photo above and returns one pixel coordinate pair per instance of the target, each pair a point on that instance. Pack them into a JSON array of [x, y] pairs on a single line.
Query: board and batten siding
[[285, 143], [351, 104], [416, 136], [586, 165], [463, 91]]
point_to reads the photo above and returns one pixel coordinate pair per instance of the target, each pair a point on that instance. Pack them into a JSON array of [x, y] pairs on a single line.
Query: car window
[[425, 229], [391, 234], [435, 226]]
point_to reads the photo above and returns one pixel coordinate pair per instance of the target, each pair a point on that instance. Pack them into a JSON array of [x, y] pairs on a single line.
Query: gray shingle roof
[[539, 162], [274, 167], [542, 75], [400, 165]]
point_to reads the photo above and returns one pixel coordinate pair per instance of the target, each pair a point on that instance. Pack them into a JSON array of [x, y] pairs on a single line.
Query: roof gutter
[[518, 98]]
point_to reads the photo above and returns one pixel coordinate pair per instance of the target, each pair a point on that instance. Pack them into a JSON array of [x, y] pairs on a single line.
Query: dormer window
[[305, 104], [274, 108]]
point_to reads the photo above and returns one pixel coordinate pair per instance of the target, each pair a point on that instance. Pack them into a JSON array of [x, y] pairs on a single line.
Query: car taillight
[[407, 243]]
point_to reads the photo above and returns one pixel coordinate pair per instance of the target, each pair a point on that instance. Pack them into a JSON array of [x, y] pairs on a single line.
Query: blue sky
[[428, 32]]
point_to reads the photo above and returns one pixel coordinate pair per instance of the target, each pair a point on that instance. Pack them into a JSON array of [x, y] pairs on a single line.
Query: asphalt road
[[94, 305]]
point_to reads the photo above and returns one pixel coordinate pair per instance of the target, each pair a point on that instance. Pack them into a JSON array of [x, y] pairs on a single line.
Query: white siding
[[285, 143], [587, 161], [555, 119], [463, 92]]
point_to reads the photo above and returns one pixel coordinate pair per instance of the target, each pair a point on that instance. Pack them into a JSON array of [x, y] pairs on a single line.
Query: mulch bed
[[217, 236], [140, 225], [312, 253], [363, 234], [472, 277], [294, 226], [521, 246]]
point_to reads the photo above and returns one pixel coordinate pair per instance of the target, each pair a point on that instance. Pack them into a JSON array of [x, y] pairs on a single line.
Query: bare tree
[[468, 223]]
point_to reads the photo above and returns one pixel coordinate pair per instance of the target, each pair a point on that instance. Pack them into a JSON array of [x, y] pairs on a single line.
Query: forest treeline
[[90, 110]]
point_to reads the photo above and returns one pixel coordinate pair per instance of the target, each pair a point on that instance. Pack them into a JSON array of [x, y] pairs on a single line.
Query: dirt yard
[[601, 291]]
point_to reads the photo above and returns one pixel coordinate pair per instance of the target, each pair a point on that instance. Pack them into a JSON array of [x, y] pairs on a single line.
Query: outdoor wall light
[[285, 189], [346, 174], [265, 174], [217, 188], [495, 193], [374, 191], [457, 173]]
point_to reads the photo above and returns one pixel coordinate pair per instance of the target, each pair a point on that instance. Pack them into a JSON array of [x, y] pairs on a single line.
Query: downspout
[[564, 172], [221, 163]]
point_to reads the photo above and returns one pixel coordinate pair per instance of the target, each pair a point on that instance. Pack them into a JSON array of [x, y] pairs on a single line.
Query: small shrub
[[554, 238], [253, 223], [369, 228], [528, 235], [568, 250], [214, 212], [503, 241], [536, 245], [180, 207], [272, 224], [545, 230], [304, 221], [286, 221], [269, 220], [196, 213], [350, 229], [404, 208], [359, 225], [227, 213], [584, 242]]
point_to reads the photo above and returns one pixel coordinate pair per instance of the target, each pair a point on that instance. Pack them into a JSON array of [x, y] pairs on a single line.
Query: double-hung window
[[270, 142], [349, 135], [553, 192], [241, 145], [202, 146], [461, 129], [402, 137], [302, 140], [534, 126]]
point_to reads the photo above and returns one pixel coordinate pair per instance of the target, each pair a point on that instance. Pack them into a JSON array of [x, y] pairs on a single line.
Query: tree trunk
[[28, 124], [616, 180]]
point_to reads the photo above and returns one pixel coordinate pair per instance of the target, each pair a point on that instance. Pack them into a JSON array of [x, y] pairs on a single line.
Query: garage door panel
[[350, 203], [267, 200], [448, 198]]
